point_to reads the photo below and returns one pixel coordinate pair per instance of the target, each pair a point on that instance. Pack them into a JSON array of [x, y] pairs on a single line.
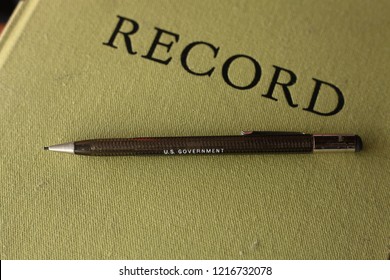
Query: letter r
[[126, 35]]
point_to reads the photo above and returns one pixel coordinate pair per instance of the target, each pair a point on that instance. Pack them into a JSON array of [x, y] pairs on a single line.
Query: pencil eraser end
[[359, 144]]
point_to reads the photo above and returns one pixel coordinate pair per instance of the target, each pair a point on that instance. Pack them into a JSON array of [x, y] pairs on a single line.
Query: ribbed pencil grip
[[297, 143]]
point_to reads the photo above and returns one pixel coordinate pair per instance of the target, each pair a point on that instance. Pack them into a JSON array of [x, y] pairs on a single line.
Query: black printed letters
[[164, 41]]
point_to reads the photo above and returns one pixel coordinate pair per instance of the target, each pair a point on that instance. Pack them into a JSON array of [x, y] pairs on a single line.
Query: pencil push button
[[337, 143]]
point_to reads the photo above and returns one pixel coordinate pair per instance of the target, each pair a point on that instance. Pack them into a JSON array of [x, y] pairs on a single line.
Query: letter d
[[340, 101]]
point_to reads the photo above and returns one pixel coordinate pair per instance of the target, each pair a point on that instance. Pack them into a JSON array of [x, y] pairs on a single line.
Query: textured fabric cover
[[59, 83]]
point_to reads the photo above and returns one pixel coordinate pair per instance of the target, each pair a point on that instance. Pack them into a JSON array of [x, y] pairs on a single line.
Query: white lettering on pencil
[[193, 151], [169, 152]]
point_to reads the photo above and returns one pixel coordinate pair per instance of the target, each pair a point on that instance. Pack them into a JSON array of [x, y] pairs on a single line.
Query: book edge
[[15, 27]]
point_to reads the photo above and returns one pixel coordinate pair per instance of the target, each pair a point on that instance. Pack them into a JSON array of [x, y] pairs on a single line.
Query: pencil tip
[[63, 148]]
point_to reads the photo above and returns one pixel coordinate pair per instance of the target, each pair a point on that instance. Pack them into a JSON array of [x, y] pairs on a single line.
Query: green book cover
[[74, 70]]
